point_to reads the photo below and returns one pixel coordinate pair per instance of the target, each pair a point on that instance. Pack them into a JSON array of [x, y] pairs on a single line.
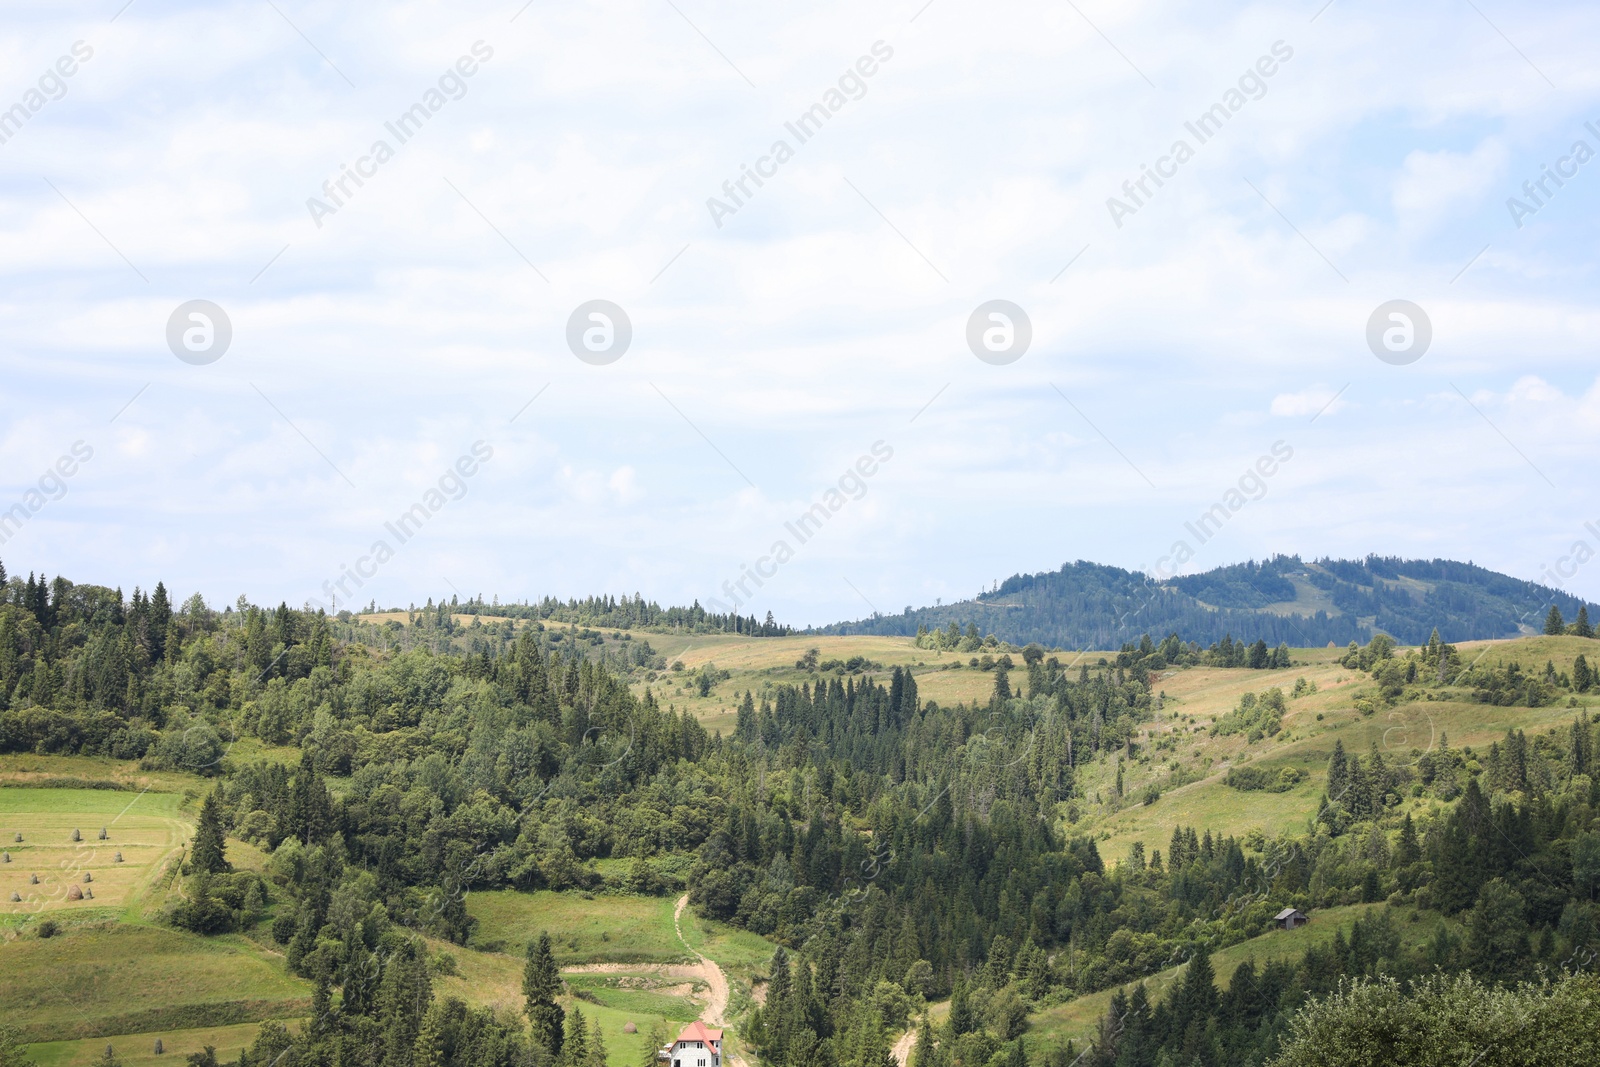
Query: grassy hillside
[[1076, 1019]]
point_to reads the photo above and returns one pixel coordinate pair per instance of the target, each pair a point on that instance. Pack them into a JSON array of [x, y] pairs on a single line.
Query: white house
[[697, 1046]]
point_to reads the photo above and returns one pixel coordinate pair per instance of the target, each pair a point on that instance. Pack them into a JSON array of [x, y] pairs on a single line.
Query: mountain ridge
[[1281, 599]]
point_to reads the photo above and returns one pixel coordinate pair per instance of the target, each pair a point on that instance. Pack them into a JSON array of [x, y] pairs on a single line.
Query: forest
[[1091, 605], [900, 851]]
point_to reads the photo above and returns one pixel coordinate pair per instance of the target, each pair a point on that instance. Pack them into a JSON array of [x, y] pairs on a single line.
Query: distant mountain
[[1090, 605]]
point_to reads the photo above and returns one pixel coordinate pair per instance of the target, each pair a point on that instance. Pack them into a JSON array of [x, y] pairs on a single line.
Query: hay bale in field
[[88, 894], [629, 1028], [117, 858], [160, 1048], [7, 857], [19, 837], [16, 898], [33, 879], [76, 836], [103, 834], [88, 876], [74, 893]]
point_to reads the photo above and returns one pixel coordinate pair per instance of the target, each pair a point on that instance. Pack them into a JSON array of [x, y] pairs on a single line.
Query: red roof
[[698, 1031]]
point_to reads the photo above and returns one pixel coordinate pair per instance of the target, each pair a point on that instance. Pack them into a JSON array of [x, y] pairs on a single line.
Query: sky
[[413, 399]]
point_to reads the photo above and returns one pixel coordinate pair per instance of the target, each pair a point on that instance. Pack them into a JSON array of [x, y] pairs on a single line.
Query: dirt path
[[903, 1047], [707, 971]]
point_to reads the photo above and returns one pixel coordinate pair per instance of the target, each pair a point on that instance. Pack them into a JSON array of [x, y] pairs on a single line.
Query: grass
[[758, 663], [26, 768], [742, 955], [612, 928], [147, 829], [138, 1050], [126, 978], [653, 1002], [1197, 696]]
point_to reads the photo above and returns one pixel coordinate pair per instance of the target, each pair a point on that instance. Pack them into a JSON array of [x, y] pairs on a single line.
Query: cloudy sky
[[382, 330]]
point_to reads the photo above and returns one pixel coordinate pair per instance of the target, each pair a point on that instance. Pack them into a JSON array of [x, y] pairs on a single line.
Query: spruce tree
[[1581, 626], [208, 856], [575, 1053], [597, 1044], [1338, 774], [1553, 623], [541, 983]]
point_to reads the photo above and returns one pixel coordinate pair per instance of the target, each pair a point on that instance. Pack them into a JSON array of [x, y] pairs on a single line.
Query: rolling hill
[[1284, 599]]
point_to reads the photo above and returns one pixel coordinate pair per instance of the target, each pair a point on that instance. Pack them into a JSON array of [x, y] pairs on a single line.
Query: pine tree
[[922, 1051], [597, 1045], [654, 1041], [1582, 676], [210, 845], [575, 1053], [1553, 623], [1338, 775], [541, 983], [962, 1020], [1409, 851], [1580, 627]]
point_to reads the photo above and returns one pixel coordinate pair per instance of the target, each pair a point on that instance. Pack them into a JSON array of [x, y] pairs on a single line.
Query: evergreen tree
[[654, 1041], [575, 1052], [962, 1018], [541, 984], [1581, 626], [1582, 675], [922, 1051], [1409, 851], [1338, 775], [597, 1044], [208, 855], [1553, 623]]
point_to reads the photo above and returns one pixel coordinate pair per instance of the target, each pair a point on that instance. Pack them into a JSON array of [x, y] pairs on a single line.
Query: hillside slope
[[1284, 599]]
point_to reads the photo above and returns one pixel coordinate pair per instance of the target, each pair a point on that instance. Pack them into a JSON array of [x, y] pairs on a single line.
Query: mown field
[[42, 864], [138, 1050]]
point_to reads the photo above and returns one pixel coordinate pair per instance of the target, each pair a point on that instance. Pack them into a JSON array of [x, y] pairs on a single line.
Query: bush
[[1449, 1020], [1264, 779], [48, 928]]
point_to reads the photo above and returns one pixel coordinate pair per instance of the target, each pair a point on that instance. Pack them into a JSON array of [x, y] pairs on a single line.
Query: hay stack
[[88, 876], [117, 858], [33, 879], [19, 837], [76, 836], [160, 1048], [629, 1028], [7, 856], [16, 898], [88, 894], [74, 893], [103, 834]]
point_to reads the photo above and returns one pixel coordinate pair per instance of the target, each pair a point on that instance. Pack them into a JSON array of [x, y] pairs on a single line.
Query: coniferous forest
[[900, 852]]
